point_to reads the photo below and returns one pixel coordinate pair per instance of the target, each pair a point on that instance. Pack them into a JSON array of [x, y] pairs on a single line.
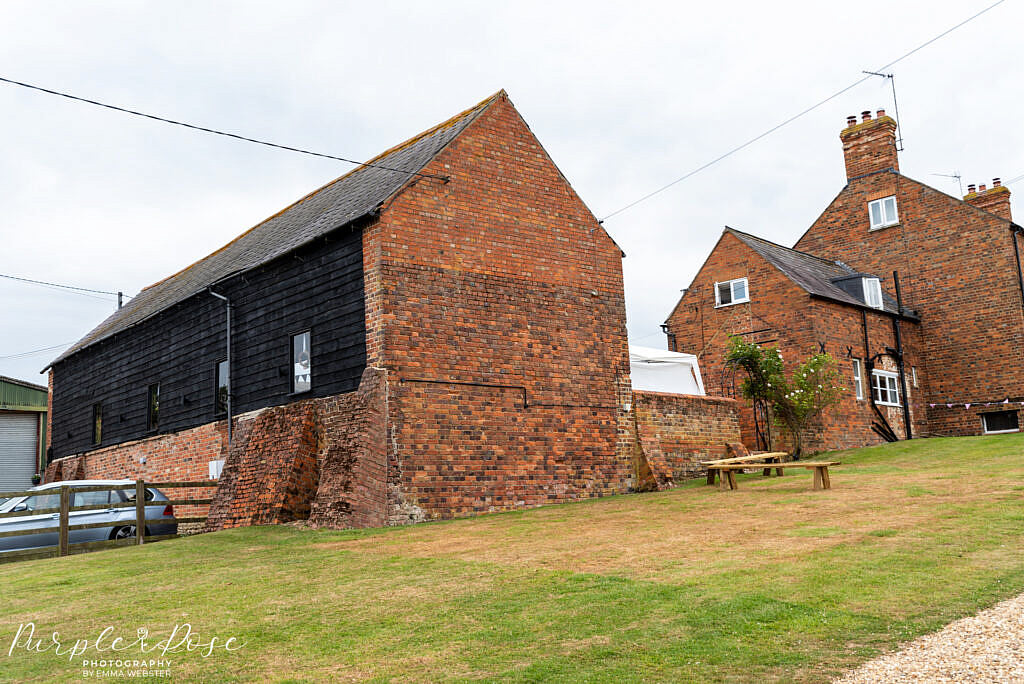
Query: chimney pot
[[997, 203], [881, 113], [870, 147], [970, 188]]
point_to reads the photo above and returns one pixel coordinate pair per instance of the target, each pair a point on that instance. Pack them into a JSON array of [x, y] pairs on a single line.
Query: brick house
[[437, 333], [955, 265]]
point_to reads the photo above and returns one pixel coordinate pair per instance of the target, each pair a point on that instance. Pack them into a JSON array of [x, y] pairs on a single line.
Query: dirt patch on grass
[[678, 535]]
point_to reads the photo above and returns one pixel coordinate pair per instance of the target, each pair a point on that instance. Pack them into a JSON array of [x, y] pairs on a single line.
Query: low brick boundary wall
[[675, 432], [177, 456]]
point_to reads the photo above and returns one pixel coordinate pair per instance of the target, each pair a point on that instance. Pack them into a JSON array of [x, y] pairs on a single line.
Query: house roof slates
[[811, 273]]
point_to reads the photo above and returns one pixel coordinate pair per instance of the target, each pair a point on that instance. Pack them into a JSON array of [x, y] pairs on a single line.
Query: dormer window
[[731, 292], [883, 212], [873, 293]]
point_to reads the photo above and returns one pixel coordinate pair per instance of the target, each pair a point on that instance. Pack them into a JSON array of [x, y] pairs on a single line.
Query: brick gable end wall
[[499, 277]]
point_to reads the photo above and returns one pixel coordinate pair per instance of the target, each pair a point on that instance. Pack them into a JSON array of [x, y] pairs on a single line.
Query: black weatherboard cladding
[[317, 288]]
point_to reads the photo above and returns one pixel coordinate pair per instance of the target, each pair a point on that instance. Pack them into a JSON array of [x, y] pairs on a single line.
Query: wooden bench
[[727, 471], [750, 459]]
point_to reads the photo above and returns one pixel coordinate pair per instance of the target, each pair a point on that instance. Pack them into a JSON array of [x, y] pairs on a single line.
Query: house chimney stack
[[995, 200], [870, 145]]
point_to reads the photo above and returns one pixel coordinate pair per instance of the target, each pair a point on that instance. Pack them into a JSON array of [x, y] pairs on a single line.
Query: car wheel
[[123, 532]]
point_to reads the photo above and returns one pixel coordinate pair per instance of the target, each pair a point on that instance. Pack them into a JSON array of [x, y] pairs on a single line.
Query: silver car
[[122, 520]]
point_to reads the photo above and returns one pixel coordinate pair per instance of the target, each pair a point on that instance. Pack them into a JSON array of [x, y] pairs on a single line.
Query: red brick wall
[[175, 456], [271, 473], [772, 315], [957, 421], [353, 462], [322, 459], [956, 267], [677, 432], [841, 329], [500, 276], [770, 318], [471, 450]]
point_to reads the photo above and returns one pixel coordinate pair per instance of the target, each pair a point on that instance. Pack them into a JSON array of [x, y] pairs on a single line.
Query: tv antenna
[[955, 174], [895, 104]]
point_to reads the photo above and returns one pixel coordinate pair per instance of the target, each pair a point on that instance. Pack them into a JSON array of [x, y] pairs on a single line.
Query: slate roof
[[343, 200], [812, 273]]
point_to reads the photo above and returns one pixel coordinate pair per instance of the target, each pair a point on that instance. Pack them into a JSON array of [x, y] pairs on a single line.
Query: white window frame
[[986, 431], [732, 292], [913, 374], [874, 286], [858, 380], [299, 369], [892, 386], [885, 222]]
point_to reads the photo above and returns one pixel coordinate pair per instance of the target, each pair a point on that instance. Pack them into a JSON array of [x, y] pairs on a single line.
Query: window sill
[[886, 403], [741, 301], [875, 229], [999, 432], [299, 394]]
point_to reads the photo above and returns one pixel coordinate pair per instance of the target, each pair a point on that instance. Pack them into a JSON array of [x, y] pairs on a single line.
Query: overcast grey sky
[[625, 96]]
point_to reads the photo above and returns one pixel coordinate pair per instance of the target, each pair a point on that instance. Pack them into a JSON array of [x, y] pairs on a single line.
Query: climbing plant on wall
[[797, 400]]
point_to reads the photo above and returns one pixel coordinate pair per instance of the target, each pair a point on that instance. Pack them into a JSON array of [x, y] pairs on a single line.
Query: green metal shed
[[22, 432]]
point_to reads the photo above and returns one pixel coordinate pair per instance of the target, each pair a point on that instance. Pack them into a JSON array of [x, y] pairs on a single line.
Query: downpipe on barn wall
[[227, 402]]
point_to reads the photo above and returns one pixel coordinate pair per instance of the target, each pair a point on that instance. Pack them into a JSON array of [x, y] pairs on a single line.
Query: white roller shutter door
[[17, 450]]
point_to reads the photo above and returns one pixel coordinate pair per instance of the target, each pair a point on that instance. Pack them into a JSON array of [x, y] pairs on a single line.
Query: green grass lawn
[[772, 582]]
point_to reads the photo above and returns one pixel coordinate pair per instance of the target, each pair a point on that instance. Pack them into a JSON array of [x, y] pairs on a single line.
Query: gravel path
[[988, 647]]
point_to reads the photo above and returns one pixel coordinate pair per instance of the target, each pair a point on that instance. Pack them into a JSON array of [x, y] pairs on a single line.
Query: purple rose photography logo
[[110, 655]]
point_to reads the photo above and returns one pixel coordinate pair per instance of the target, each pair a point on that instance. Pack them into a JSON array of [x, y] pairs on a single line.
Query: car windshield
[[40, 501], [7, 504]]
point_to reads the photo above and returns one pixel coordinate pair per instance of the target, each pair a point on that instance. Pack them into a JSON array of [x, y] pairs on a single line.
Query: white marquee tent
[[657, 370]]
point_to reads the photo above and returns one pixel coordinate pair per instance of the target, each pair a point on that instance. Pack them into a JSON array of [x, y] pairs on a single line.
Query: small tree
[[797, 401]]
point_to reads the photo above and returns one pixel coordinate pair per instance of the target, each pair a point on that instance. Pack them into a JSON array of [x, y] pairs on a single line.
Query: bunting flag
[[967, 405]]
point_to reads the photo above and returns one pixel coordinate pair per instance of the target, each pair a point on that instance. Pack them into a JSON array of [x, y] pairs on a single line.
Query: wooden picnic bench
[[750, 459], [727, 471]]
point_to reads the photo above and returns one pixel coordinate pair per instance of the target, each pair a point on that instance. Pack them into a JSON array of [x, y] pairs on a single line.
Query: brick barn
[[439, 332], [946, 358]]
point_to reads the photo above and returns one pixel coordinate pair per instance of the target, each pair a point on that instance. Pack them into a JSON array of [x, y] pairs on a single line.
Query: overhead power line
[[77, 290], [214, 131], [797, 116], [34, 352]]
